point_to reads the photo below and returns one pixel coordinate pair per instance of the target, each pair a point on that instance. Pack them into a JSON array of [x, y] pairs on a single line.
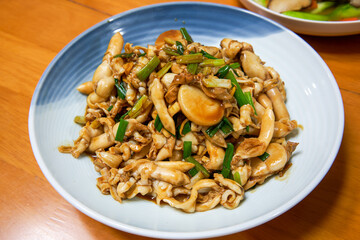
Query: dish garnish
[[190, 125]]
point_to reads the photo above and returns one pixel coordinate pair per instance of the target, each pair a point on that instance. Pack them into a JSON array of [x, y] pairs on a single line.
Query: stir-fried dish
[[189, 125], [319, 10]]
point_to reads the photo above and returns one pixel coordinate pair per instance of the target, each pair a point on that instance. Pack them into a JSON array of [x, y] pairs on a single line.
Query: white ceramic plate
[[313, 99], [310, 27]]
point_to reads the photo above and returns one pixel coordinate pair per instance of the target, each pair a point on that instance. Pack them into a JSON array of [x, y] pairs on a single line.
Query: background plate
[[311, 90]]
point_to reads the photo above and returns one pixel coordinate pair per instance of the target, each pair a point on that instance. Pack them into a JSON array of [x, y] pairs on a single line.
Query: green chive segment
[[179, 48], [144, 73], [164, 70], [186, 35], [264, 156], [124, 55], [138, 107], [237, 178], [121, 130], [121, 90], [207, 55], [227, 160], [158, 124], [190, 58], [198, 166]]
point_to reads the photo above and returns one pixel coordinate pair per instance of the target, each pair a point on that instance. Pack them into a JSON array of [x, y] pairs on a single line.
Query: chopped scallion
[[217, 82], [237, 178], [121, 90], [239, 95], [109, 108], [193, 171], [137, 108], [227, 160], [212, 62], [170, 51], [198, 166], [250, 101], [121, 130], [223, 71], [234, 65], [186, 35], [207, 55], [187, 128], [179, 48], [164, 70], [264, 156], [143, 54], [158, 124], [124, 55], [187, 146], [148, 68], [192, 68], [227, 127], [247, 129], [211, 131], [190, 58]]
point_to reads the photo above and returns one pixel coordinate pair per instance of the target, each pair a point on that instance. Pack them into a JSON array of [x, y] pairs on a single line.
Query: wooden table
[[33, 32]]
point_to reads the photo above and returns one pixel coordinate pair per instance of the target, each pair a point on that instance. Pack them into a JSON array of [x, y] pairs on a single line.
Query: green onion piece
[[237, 178], [207, 55], [187, 149], [186, 35], [192, 68], [170, 51], [117, 117], [158, 124], [193, 171], [198, 166], [187, 128], [227, 127], [264, 156], [179, 48], [109, 108], [137, 108], [239, 95], [247, 129], [234, 65], [223, 71], [206, 71], [217, 82], [164, 70], [190, 58], [143, 54], [169, 41], [124, 55], [80, 120], [121, 90], [250, 101], [211, 131], [121, 130], [212, 62], [149, 68], [187, 146], [227, 160]]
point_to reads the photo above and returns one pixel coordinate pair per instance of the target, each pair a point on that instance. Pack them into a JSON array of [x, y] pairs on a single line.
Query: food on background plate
[[189, 125], [336, 10]]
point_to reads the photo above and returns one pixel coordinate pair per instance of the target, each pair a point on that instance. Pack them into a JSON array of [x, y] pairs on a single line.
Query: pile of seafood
[[185, 124]]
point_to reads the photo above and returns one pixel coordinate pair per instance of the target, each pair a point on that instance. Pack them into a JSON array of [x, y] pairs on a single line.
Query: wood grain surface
[[33, 32]]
